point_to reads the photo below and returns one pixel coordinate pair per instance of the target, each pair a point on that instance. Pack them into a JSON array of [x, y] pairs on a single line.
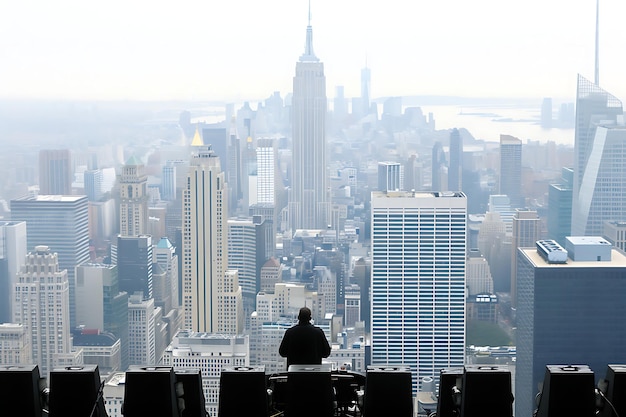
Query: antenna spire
[[597, 62], [309, 55]]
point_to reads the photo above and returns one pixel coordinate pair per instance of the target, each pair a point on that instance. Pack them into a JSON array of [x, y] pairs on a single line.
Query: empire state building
[[309, 201]]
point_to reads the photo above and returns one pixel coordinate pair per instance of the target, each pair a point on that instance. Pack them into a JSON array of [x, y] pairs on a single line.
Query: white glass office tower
[[418, 281]]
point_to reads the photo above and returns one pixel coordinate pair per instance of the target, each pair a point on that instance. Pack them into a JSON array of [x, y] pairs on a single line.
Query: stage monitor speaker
[[193, 395], [310, 391], [22, 391], [76, 391], [236, 380], [150, 391], [568, 390], [486, 391], [388, 392], [448, 403], [614, 391]]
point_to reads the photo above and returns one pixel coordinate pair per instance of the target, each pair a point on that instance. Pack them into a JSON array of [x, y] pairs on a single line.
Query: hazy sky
[[246, 49]]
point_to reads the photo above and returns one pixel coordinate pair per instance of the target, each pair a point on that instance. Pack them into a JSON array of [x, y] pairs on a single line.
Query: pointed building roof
[[309, 55], [134, 161], [197, 139], [164, 243]]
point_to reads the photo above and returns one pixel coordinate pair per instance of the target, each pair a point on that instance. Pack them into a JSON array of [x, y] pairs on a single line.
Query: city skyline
[[239, 50]]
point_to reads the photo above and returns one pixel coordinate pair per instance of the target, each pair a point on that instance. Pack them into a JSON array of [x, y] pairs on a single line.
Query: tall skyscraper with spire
[[366, 77], [212, 299], [309, 201], [599, 164]]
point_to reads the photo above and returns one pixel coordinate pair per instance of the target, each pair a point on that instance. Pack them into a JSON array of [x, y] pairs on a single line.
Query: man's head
[[304, 316]]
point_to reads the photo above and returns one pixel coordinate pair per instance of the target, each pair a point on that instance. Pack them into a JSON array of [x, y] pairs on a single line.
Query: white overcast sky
[[246, 49]]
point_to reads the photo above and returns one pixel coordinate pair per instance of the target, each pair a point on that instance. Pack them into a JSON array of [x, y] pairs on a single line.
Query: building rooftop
[[416, 194], [53, 198], [618, 259]]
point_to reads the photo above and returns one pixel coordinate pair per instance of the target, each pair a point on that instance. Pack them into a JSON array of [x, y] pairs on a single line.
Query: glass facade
[[567, 314], [418, 281]]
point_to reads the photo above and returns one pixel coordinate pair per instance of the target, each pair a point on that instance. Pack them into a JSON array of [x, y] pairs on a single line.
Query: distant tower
[[60, 222], [266, 172], [93, 184], [133, 183], [242, 246], [390, 176], [211, 294], [366, 78], [141, 331], [479, 279], [12, 253], [233, 175], [599, 191], [164, 255], [560, 207], [455, 169], [309, 201], [42, 305], [439, 169], [168, 181], [100, 304], [340, 104], [418, 264], [526, 231], [511, 169], [55, 172], [249, 176], [133, 256]]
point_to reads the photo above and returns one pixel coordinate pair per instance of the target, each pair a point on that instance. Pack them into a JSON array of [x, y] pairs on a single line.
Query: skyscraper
[[141, 331], [133, 257], [366, 80], [42, 305], [60, 222], [164, 255], [599, 190], [100, 304], [266, 170], [390, 176], [133, 186], [93, 184], [12, 253], [418, 281], [455, 170], [242, 246], [439, 168], [511, 169], [55, 171], [526, 231], [560, 207], [568, 312], [212, 299], [168, 181], [309, 201]]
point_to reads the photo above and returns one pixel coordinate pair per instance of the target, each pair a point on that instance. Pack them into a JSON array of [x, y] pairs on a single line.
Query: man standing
[[304, 343]]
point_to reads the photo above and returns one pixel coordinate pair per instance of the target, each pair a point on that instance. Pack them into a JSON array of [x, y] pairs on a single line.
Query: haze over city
[[189, 190], [244, 50]]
